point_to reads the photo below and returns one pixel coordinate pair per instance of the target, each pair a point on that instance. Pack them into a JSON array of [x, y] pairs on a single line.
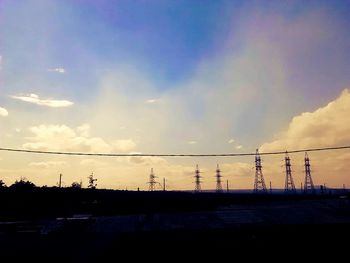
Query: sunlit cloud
[[35, 99], [48, 164], [64, 138], [146, 160], [239, 147], [326, 126], [231, 141], [124, 145], [84, 130], [92, 162], [3, 112], [237, 169], [192, 142]]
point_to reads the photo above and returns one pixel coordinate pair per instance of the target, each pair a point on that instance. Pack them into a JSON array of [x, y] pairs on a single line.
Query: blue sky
[[164, 39], [168, 76]]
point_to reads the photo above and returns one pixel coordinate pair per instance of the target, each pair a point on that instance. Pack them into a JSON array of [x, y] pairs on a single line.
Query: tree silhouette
[[76, 185], [23, 184], [2, 184]]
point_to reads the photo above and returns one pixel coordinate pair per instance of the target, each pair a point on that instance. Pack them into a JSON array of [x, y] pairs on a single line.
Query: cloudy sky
[[173, 77]]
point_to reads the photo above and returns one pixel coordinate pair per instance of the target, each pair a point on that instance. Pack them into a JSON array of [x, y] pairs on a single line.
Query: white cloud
[[3, 112], [48, 164], [151, 100], [58, 70], [231, 141], [238, 147], [63, 138], [35, 99], [192, 142]]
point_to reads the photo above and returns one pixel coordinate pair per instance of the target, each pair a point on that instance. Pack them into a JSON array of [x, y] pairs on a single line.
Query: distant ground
[[47, 203], [82, 225]]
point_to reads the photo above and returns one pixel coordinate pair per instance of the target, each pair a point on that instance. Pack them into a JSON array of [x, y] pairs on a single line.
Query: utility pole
[[289, 184], [218, 180], [270, 187], [60, 181], [197, 178], [259, 183], [164, 185], [227, 189]]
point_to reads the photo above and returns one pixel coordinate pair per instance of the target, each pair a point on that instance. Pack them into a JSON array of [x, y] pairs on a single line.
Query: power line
[[172, 155]]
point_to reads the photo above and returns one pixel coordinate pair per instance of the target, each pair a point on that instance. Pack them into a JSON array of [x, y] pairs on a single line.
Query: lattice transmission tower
[[197, 180], [152, 181], [92, 184], [259, 183], [218, 180], [308, 185], [289, 186]]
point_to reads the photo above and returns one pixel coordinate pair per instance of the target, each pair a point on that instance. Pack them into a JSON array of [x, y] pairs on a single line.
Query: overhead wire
[[172, 155]]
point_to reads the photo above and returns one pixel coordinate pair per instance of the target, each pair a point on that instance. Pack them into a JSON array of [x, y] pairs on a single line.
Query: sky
[[173, 77]]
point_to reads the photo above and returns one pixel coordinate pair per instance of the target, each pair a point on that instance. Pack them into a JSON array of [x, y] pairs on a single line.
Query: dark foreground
[[87, 226], [329, 241]]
